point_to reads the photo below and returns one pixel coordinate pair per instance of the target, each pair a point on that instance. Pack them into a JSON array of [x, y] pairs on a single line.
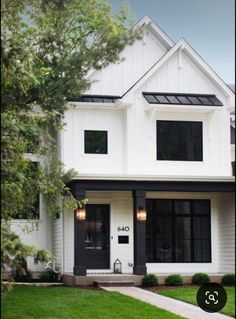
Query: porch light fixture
[[80, 213], [141, 214], [117, 266]]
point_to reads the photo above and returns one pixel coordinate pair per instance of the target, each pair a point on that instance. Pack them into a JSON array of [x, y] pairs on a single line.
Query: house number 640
[[124, 228]]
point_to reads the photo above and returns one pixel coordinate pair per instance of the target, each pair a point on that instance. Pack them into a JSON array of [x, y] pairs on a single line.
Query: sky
[[207, 25]]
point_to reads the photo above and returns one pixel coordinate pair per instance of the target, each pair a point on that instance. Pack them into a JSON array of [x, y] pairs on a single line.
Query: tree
[[48, 48]]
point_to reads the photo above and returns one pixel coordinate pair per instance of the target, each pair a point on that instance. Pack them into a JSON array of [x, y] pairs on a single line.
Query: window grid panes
[[179, 141], [178, 231]]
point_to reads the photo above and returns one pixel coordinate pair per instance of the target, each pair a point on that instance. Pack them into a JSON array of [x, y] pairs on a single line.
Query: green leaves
[[47, 49]]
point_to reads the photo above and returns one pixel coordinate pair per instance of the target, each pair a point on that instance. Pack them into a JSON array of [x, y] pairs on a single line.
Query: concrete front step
[[114, 283]]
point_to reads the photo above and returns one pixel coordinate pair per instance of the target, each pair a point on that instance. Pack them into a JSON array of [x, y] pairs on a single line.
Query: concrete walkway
[[172, 305]]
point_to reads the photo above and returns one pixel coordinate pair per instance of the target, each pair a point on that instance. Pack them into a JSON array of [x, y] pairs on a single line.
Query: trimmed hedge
[[228, 280], [200, 278], [149, 280], [174, 280]]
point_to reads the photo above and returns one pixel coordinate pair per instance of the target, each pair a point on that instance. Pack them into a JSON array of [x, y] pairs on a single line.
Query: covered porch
[[125, 235]]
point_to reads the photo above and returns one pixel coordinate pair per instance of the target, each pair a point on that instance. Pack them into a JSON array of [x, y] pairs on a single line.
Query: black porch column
[[139, 235], [79, 238]]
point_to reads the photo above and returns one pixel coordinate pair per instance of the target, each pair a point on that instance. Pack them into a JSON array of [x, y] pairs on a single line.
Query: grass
[[189, 295], [30, 302]]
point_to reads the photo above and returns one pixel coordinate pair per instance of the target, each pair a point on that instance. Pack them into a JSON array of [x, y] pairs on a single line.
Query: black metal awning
[[96, 98], [182, 99]]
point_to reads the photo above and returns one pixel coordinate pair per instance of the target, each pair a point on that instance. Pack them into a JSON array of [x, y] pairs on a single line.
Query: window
[[95, 142], [178, 231], [179, 141]]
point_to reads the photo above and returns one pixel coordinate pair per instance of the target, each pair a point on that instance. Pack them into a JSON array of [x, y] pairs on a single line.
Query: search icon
[[211, 297]]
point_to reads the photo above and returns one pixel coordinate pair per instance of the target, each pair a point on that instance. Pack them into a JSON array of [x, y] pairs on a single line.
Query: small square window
[[95, 142]]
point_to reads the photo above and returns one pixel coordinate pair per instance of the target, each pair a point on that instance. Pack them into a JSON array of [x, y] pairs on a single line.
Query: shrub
[[48, 276], [200, 278], [174, 280], [20, 270], [228, 280], [149, 280]]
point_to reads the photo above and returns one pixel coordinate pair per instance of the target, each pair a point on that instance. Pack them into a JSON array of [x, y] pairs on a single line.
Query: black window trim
[[98, 153], [191, 215], [180, 160]]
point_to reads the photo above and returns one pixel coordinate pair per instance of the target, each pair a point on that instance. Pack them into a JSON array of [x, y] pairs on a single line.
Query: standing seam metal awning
[[182, 99]]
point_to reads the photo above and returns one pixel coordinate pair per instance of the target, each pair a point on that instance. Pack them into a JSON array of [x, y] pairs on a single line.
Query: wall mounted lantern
[[80, 213], [117, 266], [141, 214]]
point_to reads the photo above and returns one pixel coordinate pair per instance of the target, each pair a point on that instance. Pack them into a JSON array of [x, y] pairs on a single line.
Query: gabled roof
[[155, 28], [232, 87], [183, 45]]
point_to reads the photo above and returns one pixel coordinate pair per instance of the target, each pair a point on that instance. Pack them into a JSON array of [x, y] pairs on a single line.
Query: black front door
[[97, 236]]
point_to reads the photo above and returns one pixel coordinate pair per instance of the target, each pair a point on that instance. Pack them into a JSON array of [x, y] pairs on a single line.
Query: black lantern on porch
[[117, 266]]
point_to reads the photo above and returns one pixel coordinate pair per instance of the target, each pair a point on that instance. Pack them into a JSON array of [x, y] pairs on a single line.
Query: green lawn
[[30, 302], [189, 295]]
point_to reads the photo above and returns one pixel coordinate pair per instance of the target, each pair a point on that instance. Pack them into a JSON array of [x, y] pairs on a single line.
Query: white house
[[151, 143]]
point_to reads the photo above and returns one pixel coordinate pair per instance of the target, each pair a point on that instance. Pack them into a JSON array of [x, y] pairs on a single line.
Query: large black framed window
[[179, 140], [95, 142], [178, 230]]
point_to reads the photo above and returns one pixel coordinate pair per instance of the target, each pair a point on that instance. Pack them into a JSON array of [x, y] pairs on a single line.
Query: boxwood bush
[[174, 280], [149, 280], [228, 280], [200, 278]]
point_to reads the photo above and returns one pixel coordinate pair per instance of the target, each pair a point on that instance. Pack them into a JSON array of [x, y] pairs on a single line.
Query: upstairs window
[[179, 141], [95, 142]]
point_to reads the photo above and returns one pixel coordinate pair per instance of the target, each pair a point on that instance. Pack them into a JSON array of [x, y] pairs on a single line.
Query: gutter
[[176, 178]]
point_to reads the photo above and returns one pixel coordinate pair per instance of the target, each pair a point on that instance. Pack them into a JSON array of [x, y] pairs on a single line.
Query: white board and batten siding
[[37, 233], [57, 239], [80, 120], [117, 78], [132, 129], [227, 233]]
